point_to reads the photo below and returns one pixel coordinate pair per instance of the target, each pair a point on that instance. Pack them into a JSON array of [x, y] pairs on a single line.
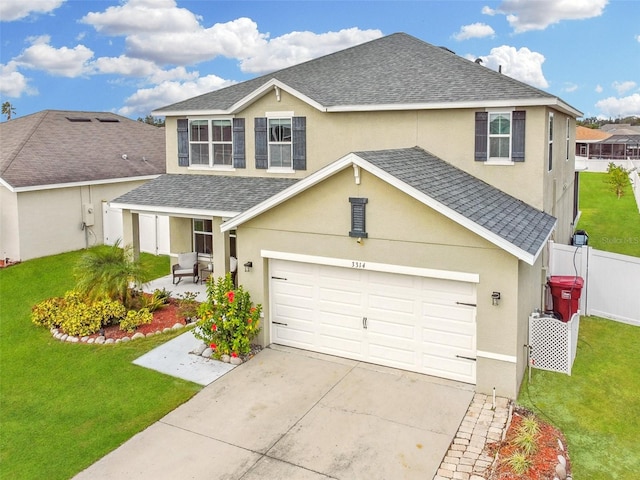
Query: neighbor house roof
[[209, 195], [584, 134], [391, 73], [505, 221], [55, 147]]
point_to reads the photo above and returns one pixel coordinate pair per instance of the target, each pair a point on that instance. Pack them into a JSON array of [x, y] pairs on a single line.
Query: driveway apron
[[293, 414]]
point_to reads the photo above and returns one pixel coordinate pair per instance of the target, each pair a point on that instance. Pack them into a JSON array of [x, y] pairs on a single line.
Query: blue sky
[[133, 56]]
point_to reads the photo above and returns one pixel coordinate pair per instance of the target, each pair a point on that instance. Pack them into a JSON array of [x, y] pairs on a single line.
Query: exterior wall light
[[495, 298], [248, 266]]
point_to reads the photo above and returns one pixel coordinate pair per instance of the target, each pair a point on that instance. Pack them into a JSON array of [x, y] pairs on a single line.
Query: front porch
[[184, 286]]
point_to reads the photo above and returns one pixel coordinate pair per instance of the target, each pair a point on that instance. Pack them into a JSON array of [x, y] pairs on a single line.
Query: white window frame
[[550, 143], [194, 232], [499, 160], [211, 143], [279, 116]]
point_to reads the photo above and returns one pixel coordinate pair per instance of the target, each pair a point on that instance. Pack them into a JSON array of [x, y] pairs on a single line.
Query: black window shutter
[[262, 153], [517, 135], [183, 142], [299, 138], [482, 119], [239, 160], [358, 217]]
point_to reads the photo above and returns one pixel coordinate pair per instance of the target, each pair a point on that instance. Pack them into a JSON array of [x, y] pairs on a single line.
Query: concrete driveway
[[291, 414]]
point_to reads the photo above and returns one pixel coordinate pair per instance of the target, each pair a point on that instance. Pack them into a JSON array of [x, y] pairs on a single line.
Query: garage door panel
[[412, 322]]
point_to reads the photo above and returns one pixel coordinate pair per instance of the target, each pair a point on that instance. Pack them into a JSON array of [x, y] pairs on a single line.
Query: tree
[[618, 178], [108, 272], [151, 120], [8, 110]]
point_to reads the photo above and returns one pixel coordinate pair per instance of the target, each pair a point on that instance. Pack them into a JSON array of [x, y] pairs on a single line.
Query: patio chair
[[187, 266]]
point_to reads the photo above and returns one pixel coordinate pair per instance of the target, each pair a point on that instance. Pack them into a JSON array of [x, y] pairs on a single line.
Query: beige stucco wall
[[401, 231], [449, 134], [50, 221], [9, 225]]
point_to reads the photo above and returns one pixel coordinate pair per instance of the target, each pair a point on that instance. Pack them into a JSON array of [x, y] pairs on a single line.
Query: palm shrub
[[108, 272], [228, 320]]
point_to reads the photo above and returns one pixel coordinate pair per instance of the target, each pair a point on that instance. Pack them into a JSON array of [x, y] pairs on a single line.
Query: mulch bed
[[165, 317], [544, 460]]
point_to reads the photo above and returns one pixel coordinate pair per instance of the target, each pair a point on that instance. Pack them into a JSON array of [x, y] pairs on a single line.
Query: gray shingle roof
[[215, 193], [511, 219], [46, 148], [397, 69]]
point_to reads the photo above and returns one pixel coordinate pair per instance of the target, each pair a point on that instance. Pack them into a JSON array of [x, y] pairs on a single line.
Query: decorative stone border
[[63, 337], [205, 351]]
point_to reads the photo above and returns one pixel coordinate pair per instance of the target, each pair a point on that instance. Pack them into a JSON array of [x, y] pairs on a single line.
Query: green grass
[[63, 406], [613, 224], [598, 406]]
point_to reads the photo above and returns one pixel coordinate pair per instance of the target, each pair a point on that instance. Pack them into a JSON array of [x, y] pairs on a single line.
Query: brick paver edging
[[466, 458]]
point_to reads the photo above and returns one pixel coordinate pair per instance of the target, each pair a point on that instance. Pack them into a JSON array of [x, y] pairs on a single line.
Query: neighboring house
[[390, 203], [612, 142], [56, 169]]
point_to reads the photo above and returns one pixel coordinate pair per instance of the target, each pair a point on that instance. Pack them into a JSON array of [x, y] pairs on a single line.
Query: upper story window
[[211, 142], [281, 142], [500, 137], [280, 145], [550, 152]]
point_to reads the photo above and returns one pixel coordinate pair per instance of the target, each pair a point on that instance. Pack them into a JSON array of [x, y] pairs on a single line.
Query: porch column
[[131, 231], [221, 248]]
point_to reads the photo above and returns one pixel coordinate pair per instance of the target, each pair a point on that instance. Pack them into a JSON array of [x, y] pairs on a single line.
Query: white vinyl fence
[[154, 230], [612, 281]]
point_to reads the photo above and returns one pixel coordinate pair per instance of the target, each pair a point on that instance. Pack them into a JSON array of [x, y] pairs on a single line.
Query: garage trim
[[373, 266]]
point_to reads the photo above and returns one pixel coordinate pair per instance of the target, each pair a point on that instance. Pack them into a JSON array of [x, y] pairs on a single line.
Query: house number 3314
[[357, 264]]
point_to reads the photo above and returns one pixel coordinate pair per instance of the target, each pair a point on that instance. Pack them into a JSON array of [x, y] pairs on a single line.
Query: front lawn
[[63, 406], [598, 406], [613, 224]]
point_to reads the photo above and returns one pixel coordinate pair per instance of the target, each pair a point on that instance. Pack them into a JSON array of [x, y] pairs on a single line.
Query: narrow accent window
[[203, 236], [568, 137], [358, 217], [550, 153], [280, 143], [500, 135]]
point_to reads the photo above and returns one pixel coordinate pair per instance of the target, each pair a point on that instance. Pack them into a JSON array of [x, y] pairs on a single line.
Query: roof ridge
[[25, 140]]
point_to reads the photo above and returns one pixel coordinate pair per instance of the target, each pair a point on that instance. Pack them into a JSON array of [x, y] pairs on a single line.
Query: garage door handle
[[279, 323], [467, 304], [466, 358], [278, 278], [364, 322]]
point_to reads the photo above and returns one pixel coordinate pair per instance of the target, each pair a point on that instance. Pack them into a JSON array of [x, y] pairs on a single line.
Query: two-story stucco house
[[390, 203]]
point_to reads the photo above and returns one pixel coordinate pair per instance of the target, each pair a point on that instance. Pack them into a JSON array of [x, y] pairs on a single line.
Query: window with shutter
[[281, 143], [210, 143], [239, 160], [500, 137], [358, 217], [262, 154]]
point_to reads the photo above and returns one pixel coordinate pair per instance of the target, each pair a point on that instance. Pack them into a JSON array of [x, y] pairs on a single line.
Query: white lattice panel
[[553, 343]]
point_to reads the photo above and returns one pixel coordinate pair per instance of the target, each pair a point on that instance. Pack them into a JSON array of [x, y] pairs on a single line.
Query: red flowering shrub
[[228, 321]]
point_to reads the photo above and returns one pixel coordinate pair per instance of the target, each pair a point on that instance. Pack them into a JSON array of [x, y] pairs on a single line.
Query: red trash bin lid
[[566, 281]]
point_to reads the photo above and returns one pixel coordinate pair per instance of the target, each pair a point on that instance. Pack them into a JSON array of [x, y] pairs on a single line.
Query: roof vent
[[107, 120], [78, 119]]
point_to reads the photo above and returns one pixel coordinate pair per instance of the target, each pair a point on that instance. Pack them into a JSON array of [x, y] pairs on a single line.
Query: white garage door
[[426, 325]]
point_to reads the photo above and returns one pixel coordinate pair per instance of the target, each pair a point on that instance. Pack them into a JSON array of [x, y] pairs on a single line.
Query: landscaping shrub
[[228, 320], [135, 318]]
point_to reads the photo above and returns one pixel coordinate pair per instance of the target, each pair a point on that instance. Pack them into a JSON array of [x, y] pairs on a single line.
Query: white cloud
[[525, 15], [521, 64], [624, 87], [570, 87], [599, 88], [620, 107], [65, 62], [11, 10], [297, 47], [136, 67], [147, 99], [475, 30], [13, 83]]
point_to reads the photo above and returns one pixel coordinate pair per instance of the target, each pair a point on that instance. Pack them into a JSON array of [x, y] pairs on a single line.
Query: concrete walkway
[[293, 414]]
